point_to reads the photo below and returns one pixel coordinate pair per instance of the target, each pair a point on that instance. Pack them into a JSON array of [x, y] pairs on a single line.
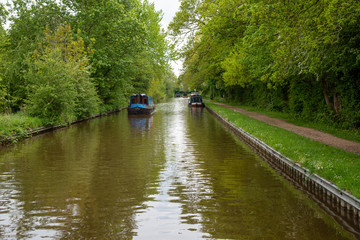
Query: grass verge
[[352, 135], [338, 166], [16, 126]]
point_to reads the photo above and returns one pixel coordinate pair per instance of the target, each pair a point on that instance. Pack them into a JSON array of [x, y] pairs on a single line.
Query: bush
[[58, 81], [59, 91]]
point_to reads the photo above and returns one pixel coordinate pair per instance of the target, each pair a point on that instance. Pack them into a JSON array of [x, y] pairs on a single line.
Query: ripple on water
[[174, 175]]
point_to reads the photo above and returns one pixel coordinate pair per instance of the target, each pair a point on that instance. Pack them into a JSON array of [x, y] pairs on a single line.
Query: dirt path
[[325, 138]]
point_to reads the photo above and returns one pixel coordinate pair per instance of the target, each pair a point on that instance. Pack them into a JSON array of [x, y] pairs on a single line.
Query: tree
[[3, 42], [131, 49], [286, 49], [130, 46], [58, 79], [29, 19]]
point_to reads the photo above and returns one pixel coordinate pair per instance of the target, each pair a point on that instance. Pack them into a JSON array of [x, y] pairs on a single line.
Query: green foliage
[[3, 15], [2, 97], [170, 82], [152, 69], [157, 90], [17, 125], [118, 49], [130, 46], [306, 100], [187, 20], [3, 91], [249, 50], [28, 21], [58, 79]]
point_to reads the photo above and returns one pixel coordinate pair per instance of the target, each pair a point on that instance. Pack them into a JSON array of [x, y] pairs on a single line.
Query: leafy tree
[[157, 89], [58, 79], [284, 49], [131, 51], [130, 46], [29, 19], [170, 82], [3, 15], [3, 43]]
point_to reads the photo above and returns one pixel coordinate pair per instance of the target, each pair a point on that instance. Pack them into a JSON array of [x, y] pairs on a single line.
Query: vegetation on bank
[[17, 126], [349, 134], [299, 57], [340, 167], [69, 59]]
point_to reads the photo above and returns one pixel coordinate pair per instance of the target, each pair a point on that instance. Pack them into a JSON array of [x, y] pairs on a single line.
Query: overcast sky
[[169, 8]]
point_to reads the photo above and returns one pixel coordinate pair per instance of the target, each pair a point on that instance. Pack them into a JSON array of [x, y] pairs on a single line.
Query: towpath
[[325, 138]]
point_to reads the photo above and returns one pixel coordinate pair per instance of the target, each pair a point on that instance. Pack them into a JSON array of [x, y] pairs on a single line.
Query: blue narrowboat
[[195, 100], [141, 104]]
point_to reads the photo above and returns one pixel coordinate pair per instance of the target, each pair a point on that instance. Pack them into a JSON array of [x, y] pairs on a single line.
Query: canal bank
[[344, 207], [352, 146], [27, 133]]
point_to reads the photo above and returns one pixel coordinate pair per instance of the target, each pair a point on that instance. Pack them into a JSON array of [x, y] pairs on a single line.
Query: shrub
[[58, 81]]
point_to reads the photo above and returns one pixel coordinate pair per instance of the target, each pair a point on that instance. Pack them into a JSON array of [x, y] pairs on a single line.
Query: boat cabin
[[141, 104], [195, 100]]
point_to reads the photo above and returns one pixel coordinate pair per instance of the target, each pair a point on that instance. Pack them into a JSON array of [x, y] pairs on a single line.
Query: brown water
[[176, 175]]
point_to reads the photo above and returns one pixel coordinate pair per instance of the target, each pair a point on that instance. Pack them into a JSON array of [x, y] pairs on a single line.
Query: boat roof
[[142, 94], [195, 94]]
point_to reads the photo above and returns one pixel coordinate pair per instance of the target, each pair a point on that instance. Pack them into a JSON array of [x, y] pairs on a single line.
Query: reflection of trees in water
[[90, 180], [196, 112], [233, 195], [86, 181]]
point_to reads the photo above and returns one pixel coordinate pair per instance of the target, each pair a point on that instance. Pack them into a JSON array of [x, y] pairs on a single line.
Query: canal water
[[178, 174]]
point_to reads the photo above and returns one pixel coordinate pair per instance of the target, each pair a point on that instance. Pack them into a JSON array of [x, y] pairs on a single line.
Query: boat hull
[[196, 104], [140, 110]]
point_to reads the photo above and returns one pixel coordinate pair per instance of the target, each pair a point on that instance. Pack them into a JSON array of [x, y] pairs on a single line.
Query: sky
[[169, 9]]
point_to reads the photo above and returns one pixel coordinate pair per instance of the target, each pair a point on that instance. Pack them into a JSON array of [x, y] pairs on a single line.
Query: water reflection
[[141, 122], [196, 111], [77, 183], [175, 175], [164, 218]]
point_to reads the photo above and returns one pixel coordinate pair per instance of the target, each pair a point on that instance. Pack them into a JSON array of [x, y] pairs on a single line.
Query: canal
[[178, 174]]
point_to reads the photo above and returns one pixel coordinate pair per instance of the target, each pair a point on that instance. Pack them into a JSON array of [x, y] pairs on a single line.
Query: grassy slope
[[15, 126], [338, 166], [352, 135]]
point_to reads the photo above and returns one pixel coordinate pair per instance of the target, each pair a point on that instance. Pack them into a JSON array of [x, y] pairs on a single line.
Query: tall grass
[[15, 126], [338, 166]]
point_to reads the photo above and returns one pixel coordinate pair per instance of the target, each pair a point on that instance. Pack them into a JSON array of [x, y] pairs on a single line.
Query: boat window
[[196, 99], [133, 101], [145, 101]]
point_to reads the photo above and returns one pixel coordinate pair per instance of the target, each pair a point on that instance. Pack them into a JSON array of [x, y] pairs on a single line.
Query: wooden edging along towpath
[[344, 207]]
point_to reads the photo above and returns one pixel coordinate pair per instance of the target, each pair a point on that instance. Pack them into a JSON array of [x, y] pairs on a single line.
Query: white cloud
[[169, 9]]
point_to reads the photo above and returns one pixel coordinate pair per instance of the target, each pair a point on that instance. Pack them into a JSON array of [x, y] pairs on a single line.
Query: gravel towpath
[[325, 138]]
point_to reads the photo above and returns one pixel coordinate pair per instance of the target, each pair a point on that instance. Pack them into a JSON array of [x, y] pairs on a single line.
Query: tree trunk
[[337, 105], [334, 102], [325, 89]]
